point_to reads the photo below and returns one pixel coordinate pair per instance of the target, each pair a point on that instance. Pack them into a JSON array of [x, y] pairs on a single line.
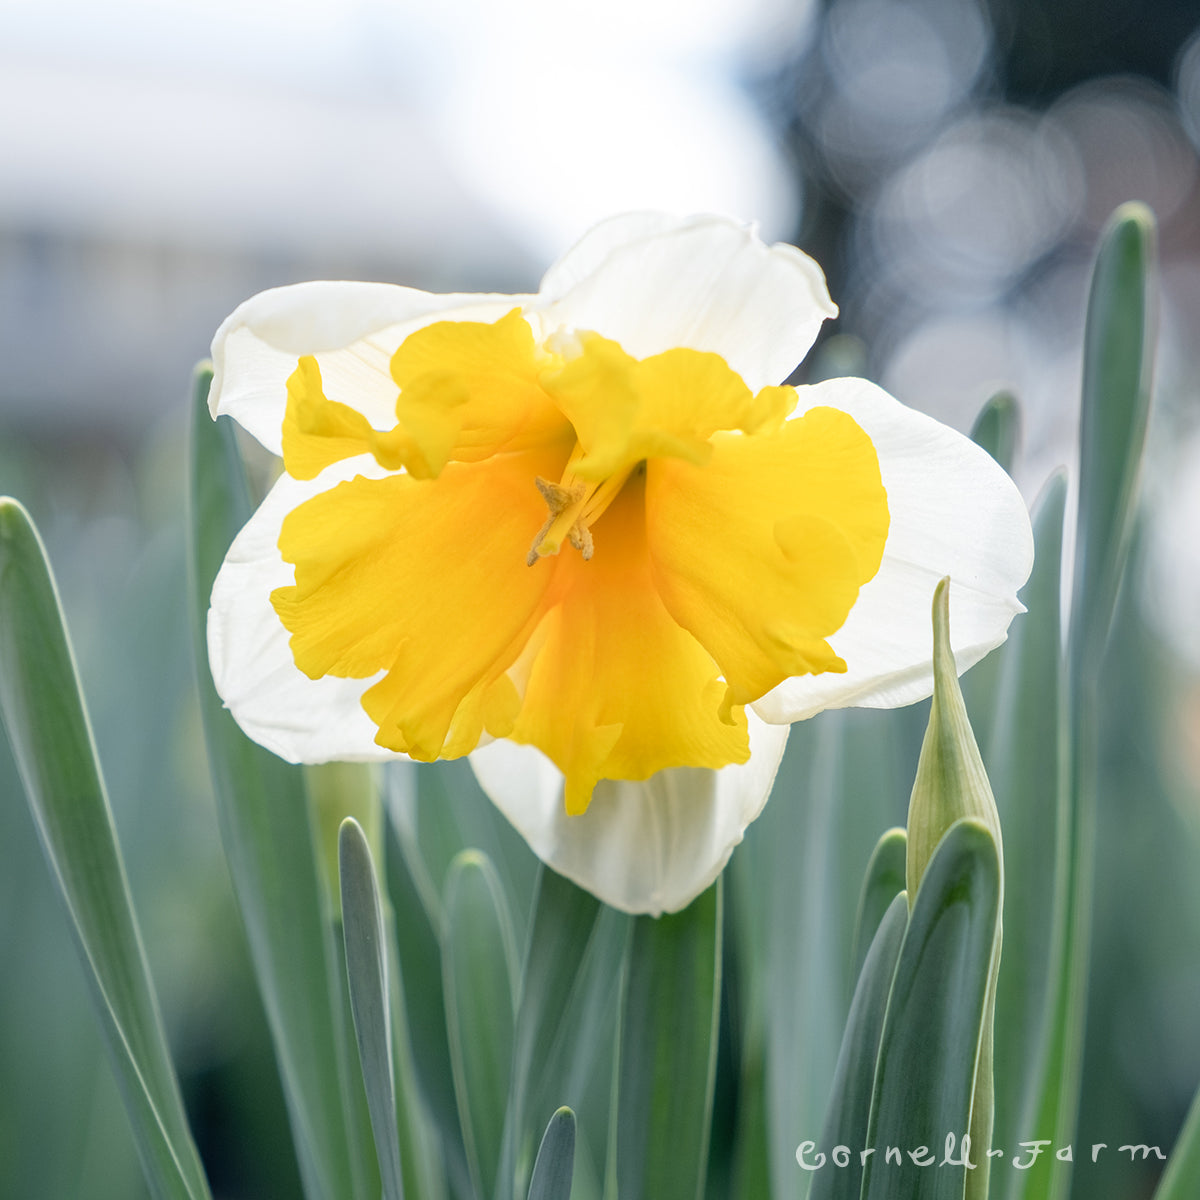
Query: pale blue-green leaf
[[883, 882], [925, 1075], [1181, 1179], [451, 814], [270, 844], [51, 740], [419, 952], [1022, 756], [724, 1151], [354, 1096], [668, 1050], [555, 1165], [849, 1112], [845, 778], [367, 978], [479, 973], [997, 428], [750, 1171], [421, 1149], [564, 1022], [801, 960], [1117, 364], [1118, 360]]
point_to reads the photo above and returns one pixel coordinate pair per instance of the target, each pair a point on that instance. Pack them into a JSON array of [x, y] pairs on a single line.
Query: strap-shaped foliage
[[928, 1052], [1181, 1180], [51, 739], [1119, 334], [1023, 767], [555, 1165], [883, 882], [668, 1052], [848, 1117], [367, 978], [479, 971]]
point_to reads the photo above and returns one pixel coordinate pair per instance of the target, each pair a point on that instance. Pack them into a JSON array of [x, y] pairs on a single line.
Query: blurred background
[[949, 162]]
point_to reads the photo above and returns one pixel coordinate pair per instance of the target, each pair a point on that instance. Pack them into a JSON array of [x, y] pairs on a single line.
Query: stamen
[[574, 506], [564, 504], [581, 539]]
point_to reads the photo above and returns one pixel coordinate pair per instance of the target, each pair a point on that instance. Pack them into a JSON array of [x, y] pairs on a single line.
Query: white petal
[[274, 702], [954, 512], [707, 283], [643, 847], [590, 251], [353, 329]]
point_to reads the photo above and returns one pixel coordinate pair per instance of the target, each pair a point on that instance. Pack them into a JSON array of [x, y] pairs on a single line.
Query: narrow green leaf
[[845, 777], [1117, 364], [479, 980], [883, 882], [1181, 1180], [51, 740], [419, 951], [367, 976], [668, 1052], [270, 843], [925, 1076], [997, 428], [555, 1166], [751, 1169], [423, 1151], [849, 1113], [570, 973], [1118, 360], [1023, 765], [452, 814]]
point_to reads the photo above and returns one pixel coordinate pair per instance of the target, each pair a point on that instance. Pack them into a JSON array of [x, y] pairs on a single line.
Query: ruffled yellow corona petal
[[318, 431], [467, 390], [801, 519], [400, 575], [761, 538], [625, 411], [495, 367], [613, 687]]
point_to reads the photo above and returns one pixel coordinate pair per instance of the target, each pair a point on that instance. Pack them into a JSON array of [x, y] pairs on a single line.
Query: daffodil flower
[[591, 527]]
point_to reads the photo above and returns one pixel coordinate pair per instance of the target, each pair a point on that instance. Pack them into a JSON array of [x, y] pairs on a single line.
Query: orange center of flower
[[719, 545]]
